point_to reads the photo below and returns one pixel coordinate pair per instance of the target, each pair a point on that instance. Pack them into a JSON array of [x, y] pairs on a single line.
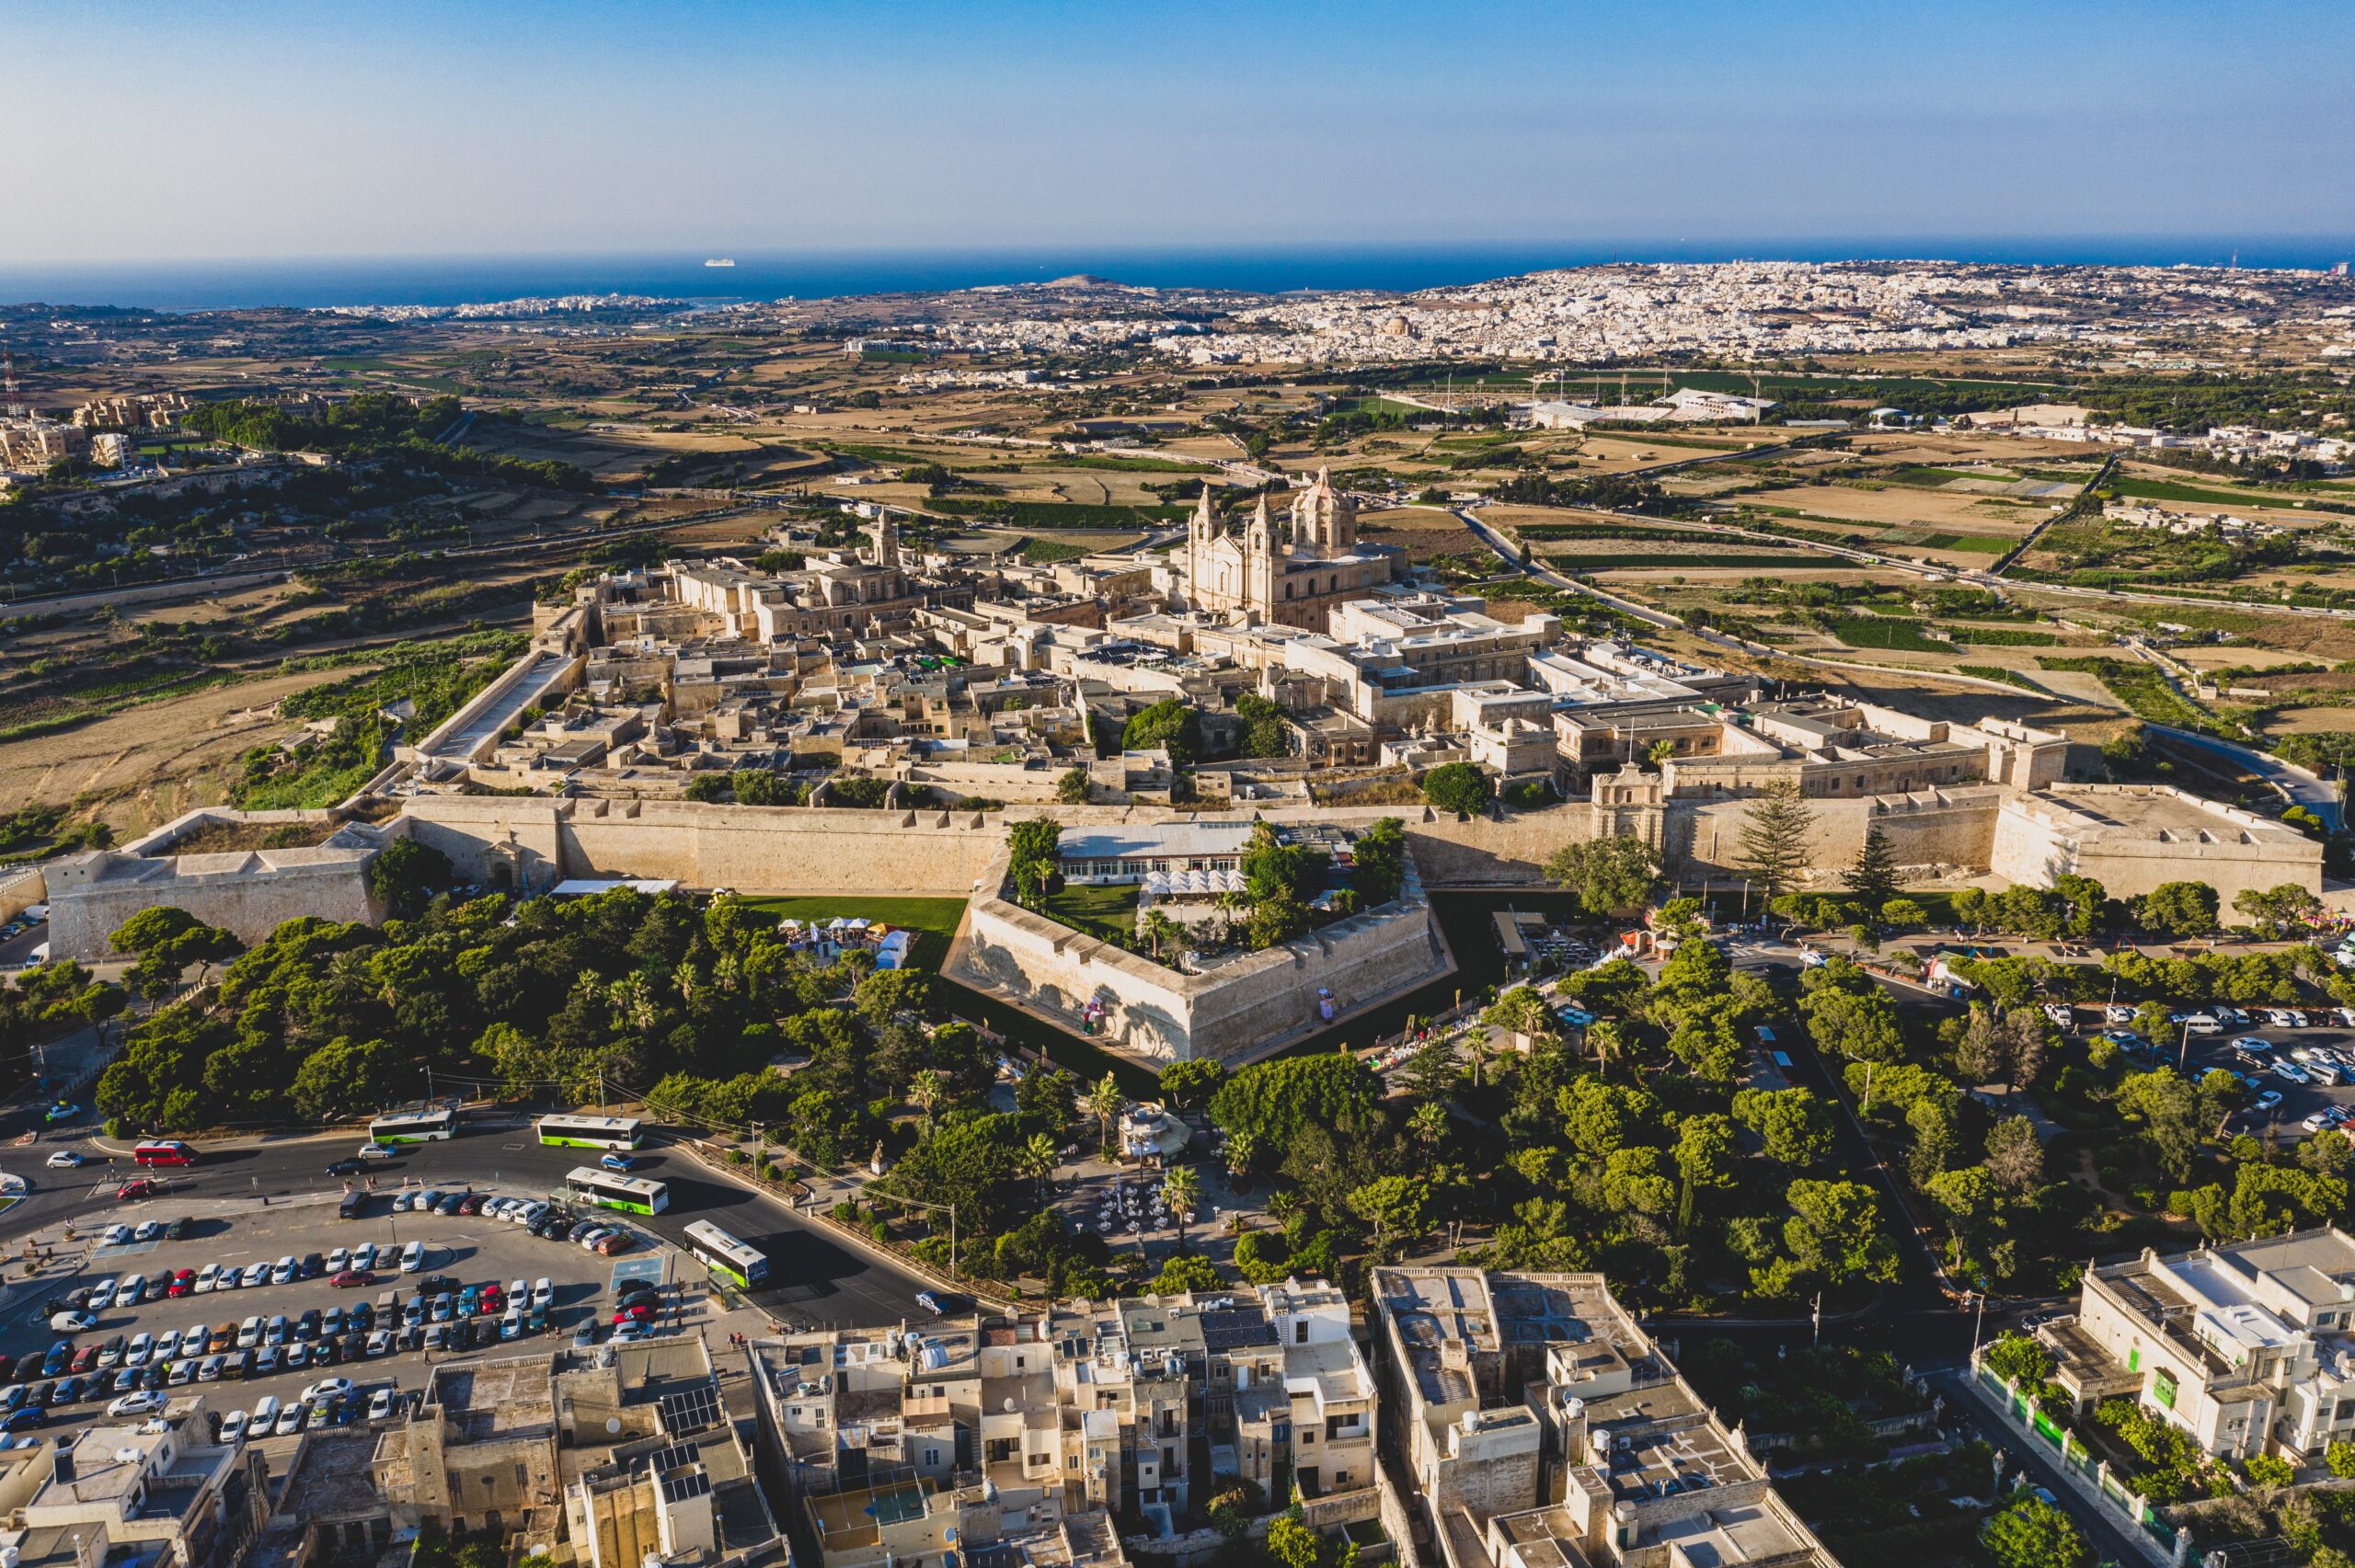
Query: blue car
[[617, 1162], [22, 1420]]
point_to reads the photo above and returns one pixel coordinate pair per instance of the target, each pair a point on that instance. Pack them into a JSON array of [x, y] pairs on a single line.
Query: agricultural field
[[1423, 532]]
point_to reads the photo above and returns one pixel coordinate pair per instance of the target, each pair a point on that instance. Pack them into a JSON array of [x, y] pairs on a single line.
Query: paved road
[[2317, 795], [813, 1276]]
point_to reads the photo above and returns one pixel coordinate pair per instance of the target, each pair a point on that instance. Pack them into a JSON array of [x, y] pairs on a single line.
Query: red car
[[138, 1187], [616, 1243], [183, 1284], [493, 1301], [636, 1313], [352, 1279], [84, 1359]]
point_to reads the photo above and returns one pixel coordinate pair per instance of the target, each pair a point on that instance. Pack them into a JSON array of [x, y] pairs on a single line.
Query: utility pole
[[1868, 1088], [1978, 1322], [1816, 1317]]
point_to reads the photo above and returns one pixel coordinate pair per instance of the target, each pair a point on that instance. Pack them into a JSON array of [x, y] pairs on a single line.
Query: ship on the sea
[[720, 261]]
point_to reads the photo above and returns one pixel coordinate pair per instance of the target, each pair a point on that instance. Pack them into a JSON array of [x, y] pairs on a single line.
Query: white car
[[413, 1257], [380, 1343], [380, 1405], [2316, 1122], [286, 1270], [168, 1345], [2346, 1016], [73, 1323], [377, 1152], [2325, 1073], [2117, 1014], [2279, 1019], [265, 1414], [102, 1294], [115, 1236], [233, 1427], [289, 1421], [326, 1387], [256, 1273], [339, 1260], [543, 1292], [139, 1404], [141, 1350], [249, 1332], [64, 1160], [403, 1201], [2290, 1071], [207, 1280], [2063, 1018], [131, 1291]]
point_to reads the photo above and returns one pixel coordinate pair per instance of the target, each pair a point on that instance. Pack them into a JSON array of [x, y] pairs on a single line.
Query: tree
[[1903, 914], [1160, 930], [1181, 1193], [1378, 862], [1777, 838], [2178, 909], [167, 941], [1456, 786], [1074, 787], [927, 1091], [1169, 723], [2020, 1358], [1705, 1152], [2277, 910], [1271, 1101], [1031, 858], [1039, 1158], [2015, 1157], [345, 1077], [1860, 1026], [1967, 1196], [2169, 1112], [1835, 1233], [1105, 1102], [2032, 1533], [405, 875], [1187, 1085], [1873, 879], [1263, 726], [1394, 1206], [1794, 1124], [1612, 875]]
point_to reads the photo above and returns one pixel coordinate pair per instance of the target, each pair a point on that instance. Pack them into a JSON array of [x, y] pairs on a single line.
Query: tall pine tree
[[1776, 830], [1873, 879]]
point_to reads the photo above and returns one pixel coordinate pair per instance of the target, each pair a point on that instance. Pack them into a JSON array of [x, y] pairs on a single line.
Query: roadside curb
[[864, 1242]]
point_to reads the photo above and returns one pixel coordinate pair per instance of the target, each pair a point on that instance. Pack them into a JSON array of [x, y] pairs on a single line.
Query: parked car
[[2290, 1071], [2266, 1101], [67, 1160]]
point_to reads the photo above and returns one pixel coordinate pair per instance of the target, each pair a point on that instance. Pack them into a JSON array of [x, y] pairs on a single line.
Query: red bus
[[165, 1152]]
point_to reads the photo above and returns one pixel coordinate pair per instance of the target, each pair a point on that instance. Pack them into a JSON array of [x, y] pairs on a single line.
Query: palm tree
[[1039, 1160], [1105, 1102], [1241, 1149], [927, 1089], [1159, 928], [1181, 1190], [1477, 1045], [1604, 1037], [1429, 1122]]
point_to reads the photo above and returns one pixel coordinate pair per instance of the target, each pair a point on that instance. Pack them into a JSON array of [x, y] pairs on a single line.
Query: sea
[[757, 276]]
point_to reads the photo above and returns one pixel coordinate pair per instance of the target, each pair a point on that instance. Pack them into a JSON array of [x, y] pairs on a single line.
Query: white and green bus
[[639, 1194], [591, 1132], [726, 1256], [414, 1127]]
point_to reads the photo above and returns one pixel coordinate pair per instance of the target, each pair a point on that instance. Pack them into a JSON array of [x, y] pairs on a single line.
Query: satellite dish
[[1009, 1406], [612, 1425]]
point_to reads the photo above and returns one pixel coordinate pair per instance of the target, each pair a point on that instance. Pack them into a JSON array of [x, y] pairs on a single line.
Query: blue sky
[[155, 133]]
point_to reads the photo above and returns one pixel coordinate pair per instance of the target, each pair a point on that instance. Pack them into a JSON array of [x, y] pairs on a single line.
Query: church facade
[[1290, 579]]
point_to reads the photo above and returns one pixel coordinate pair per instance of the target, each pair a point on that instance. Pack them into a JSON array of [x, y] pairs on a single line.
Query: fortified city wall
[[1241, 1007]]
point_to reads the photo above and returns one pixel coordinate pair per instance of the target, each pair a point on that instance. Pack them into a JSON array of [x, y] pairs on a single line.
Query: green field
[[1107, 913], [1885, 632], [1971, 544], [2167, 490], [933, 919]]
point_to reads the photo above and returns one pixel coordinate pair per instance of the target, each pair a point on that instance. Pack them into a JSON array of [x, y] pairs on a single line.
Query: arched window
[[1287, 591]]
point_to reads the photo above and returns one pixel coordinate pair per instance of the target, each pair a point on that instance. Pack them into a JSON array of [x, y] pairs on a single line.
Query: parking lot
[[582, 1292], [2321, 1051]]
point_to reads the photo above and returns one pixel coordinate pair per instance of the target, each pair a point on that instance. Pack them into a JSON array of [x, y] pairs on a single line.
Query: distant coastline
[[454, 280]]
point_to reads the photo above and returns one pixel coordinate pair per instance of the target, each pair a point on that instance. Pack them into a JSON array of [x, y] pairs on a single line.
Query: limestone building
[[1543, 1428], [2245, 1348], [1032, 1432], [1294, 579]]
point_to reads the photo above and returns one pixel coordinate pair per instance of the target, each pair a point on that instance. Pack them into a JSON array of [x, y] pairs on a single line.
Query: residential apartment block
[[1543, 1429], [2248, 1348], [1032, 1431], [155, 1495]]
